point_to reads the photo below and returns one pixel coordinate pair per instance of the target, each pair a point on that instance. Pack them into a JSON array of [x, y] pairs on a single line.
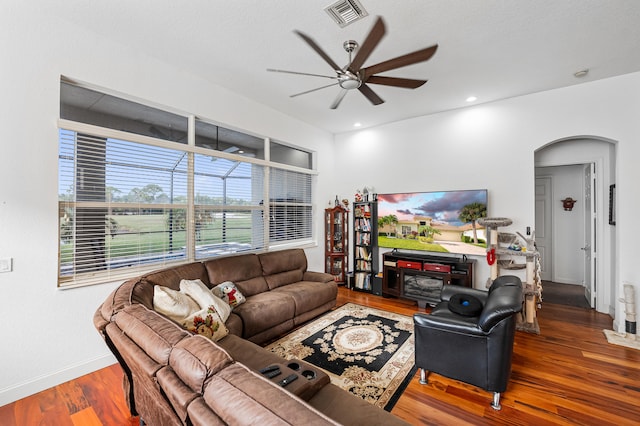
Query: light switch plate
[[6, 264]]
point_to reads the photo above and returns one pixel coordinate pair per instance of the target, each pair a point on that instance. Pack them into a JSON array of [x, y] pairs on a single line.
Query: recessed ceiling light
[[472, 99], [357, 124]]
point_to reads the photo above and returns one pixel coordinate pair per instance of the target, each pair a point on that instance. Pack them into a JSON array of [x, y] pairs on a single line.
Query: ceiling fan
[[353, 76]]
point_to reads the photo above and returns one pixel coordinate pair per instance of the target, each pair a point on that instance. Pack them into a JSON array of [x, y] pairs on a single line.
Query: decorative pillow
[[206, 322], [228, 292], [205, 298], [173, 304], [465, 305]]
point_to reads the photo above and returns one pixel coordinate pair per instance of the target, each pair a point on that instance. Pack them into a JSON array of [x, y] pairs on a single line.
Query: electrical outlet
[[6, 264], [528, 230]]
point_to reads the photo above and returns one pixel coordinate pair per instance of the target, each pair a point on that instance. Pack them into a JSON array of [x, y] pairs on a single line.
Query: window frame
[[110, 275]]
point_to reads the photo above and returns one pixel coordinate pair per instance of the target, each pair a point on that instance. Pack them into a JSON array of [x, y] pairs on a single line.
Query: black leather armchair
[[473, 349]]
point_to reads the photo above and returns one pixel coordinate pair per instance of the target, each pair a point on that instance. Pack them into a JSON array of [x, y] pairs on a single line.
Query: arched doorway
[[577, 246]]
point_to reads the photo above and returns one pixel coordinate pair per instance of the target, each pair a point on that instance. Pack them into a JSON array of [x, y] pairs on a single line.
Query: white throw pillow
[[173, 304], [203, 296]]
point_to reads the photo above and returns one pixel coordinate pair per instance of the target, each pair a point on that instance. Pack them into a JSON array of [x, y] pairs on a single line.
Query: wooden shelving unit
[[365, 248], [336, 245]]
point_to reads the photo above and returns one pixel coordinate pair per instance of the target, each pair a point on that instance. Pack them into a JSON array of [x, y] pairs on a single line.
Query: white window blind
[[122, 205], [229, 215], [290, 207]]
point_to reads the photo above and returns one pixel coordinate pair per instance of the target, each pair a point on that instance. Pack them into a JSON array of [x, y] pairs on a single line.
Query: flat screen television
[[444, 221]]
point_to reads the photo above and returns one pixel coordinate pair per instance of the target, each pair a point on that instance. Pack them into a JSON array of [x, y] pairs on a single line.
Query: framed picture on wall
[[612, 204]]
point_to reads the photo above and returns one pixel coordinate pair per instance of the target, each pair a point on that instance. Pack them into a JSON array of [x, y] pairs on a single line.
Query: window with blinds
[[290, 206], [122, 205], [129, 202], [229, 215]]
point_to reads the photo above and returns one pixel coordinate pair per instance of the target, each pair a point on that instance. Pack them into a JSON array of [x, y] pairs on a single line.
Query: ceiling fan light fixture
[[349, 81]]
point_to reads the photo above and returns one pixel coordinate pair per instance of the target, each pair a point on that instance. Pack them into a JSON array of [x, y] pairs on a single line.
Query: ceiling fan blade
[[370, 43], [302, 73], [339, 99], [313, 90], [318, 50], [400, 61], [407, 83], [370, 94]]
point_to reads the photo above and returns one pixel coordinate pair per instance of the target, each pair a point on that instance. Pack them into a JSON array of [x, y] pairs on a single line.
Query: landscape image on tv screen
[[445, 221]]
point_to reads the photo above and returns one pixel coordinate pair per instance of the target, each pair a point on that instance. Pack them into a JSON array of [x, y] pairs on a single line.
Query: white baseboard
[[38, 384]]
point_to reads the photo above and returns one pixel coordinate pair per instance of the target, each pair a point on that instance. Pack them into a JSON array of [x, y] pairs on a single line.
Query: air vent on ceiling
[[345, 12]]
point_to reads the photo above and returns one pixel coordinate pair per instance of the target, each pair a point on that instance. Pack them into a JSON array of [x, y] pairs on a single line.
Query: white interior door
[[590, 254], [544, 237]]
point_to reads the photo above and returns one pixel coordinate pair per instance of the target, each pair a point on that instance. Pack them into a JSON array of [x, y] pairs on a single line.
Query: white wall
[[492, 146], [47, 334]]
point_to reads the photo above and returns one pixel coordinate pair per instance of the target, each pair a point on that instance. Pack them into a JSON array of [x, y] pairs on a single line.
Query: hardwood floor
[[567, 375], [95, 399]]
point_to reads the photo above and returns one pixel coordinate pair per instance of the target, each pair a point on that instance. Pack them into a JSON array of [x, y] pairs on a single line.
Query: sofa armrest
[[317, 276]]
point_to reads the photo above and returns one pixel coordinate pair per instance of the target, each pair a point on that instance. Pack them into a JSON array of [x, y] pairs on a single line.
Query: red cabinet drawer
[[410, 265], [437, 267]]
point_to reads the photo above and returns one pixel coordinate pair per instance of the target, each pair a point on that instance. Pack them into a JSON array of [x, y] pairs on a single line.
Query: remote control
[[272, 373], [288, 379], [269, 369]]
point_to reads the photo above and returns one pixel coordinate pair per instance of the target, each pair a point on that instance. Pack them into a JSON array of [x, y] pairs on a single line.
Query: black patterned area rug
[[367, 351]]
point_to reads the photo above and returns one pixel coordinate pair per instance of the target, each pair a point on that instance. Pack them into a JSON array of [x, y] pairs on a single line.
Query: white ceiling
[[492, 49]]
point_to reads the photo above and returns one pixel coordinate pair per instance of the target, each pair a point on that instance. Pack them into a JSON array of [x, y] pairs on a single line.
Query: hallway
[[564, 294]]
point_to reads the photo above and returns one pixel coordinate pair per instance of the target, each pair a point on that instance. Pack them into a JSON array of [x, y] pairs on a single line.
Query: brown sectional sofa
[[173, 377]]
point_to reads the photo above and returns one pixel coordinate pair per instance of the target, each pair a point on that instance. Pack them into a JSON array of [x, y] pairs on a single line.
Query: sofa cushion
[[176, 391], [205, 298], [196, 359], [308, 295], [228, 292], [283, 267], [121, 297], [171, 277], [150, 331], [141, 290], [283, 278], [265, 310], [201, 414], [243, 270], [174, 304]]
